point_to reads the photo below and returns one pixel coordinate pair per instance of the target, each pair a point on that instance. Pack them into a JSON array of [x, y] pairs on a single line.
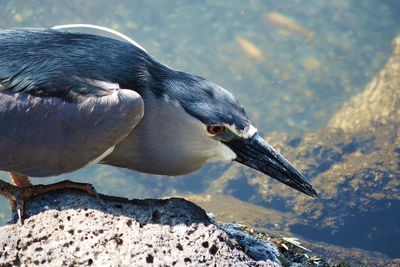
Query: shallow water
[[289, 79]]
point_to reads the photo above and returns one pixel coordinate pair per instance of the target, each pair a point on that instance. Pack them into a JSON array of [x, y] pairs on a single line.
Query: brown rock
[[354, 164]]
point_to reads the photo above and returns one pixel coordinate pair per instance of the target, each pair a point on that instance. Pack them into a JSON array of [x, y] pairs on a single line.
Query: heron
[[70, 99]]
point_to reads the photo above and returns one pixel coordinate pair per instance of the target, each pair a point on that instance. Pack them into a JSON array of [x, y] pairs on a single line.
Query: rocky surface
[[354, 163], [70, 228]]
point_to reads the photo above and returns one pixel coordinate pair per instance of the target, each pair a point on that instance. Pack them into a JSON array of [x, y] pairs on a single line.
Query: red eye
[[215, 129]]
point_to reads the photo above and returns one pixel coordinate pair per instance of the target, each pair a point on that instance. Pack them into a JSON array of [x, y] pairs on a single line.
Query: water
[[296, 85]]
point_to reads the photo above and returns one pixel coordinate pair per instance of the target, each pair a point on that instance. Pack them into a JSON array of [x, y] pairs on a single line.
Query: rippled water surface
[[292, 64]]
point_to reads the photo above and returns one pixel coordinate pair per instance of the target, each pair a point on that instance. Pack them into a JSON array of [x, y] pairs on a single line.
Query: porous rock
[[71, 228]]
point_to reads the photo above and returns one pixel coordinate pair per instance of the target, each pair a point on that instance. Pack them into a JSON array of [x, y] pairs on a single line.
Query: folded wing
[[46, 135]]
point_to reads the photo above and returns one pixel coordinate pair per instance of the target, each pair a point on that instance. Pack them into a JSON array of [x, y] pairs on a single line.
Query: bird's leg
[[20, 180], [23, 190]]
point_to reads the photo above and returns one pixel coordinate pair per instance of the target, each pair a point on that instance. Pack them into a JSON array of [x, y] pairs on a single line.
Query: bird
[[70, 99]]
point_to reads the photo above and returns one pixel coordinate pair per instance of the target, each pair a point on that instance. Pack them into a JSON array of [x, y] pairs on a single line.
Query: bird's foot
[[19, 195]]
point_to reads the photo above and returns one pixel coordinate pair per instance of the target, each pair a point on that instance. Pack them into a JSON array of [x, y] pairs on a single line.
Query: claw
[[22, 195], [19, 208], [20, 211]]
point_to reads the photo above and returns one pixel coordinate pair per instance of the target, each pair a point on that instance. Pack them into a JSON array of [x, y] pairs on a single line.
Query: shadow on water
[[241, 189], [354, 234]]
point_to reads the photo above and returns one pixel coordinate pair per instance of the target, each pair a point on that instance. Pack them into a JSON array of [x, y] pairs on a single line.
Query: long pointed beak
[[256, 153]]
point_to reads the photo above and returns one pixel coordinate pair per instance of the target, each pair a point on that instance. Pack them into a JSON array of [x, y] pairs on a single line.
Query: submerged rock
[[70, 228], [354, 163]]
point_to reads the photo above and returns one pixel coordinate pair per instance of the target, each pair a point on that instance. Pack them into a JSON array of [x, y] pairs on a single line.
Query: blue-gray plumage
[[68, 100]]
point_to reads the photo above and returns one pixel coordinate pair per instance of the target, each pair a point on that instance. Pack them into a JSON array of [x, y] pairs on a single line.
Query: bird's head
[[207, 122]]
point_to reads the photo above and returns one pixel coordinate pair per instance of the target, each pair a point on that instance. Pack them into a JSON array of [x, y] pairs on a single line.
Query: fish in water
[[250, 49], [281, 21]]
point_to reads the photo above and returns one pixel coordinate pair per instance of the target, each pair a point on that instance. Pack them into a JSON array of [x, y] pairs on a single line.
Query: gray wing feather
[[45, 136]]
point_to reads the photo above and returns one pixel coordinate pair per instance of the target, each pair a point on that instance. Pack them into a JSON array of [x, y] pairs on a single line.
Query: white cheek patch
[[222, 152]]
